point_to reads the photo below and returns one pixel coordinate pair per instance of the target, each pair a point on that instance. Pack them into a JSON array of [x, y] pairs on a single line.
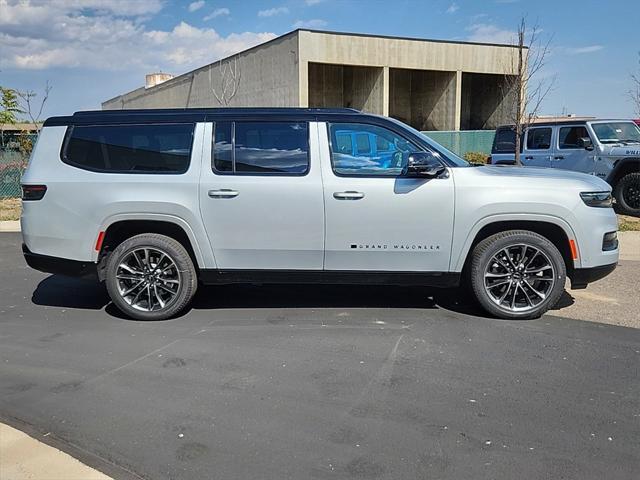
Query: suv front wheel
[[517, 274], [150, 277]]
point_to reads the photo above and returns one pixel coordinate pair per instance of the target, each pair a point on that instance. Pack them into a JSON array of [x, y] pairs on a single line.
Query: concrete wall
[[424, 99], [269, 77]]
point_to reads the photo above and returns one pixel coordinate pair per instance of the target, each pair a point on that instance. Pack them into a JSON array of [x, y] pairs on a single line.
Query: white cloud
[[195, 6], [271, 12], [314, 23], [489, 33], [218, 12], [582, 50], [312, 2], [41, 35], [453, 8]]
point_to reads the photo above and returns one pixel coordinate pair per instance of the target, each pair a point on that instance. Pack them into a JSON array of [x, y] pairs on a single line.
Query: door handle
[[559, 157], [528, 158], [223, 193], [348, 195]]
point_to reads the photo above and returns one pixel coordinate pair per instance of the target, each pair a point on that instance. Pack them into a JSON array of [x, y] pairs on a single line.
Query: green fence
[[464, 141], [12, 166]]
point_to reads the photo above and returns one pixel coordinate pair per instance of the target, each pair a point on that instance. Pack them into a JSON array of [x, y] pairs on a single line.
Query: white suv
[[154, 201]]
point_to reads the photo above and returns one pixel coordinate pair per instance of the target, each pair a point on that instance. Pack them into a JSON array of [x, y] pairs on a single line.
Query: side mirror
[[423, 164], [586, 143]]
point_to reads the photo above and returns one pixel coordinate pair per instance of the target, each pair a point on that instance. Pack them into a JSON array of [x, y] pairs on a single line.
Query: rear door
[[538, 147], [569, 155], [261, 195]]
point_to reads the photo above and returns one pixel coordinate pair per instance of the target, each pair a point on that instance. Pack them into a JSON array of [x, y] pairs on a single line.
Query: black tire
[[627, 194], [182, 270], [483, 263]]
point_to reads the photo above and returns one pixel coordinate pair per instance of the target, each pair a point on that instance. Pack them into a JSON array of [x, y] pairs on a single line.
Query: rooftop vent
[[153, 79]]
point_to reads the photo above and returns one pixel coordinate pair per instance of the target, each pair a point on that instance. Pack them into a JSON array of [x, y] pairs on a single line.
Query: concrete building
[[430, 84]]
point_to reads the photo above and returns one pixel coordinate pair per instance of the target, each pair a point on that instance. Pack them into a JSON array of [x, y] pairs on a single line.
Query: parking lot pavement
[[328, 382]]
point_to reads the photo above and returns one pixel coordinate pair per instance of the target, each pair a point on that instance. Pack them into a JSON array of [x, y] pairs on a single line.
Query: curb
[[10, 226]]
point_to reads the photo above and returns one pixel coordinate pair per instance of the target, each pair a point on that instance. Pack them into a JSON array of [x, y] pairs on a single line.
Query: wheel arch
[[622, 168], [556, 230], [117, 229]]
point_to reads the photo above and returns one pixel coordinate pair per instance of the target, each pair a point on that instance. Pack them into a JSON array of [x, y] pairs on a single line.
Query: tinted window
[[378, 151], [539, 139], [222, 147], [505, 141], [261, 147], [569, 136], [164, 148]]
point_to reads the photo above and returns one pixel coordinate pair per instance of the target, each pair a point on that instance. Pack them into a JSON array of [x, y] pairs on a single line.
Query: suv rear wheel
[[150, 277], [627, 194], [517, 274]]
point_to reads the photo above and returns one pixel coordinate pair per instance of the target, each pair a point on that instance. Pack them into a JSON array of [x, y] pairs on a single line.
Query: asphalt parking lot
[[315, 382]]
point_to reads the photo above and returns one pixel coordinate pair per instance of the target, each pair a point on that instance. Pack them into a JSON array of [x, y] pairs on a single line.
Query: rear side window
[[539, 139], [505, 141], [280, 148], [160, 148]]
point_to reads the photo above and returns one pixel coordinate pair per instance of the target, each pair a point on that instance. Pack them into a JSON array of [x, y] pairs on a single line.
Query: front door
[[261, 195], [537, 150], [377, 220], [569, 155]]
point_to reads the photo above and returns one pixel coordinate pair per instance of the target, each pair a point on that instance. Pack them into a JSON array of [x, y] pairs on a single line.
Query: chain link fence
[[12, 166], [465, 141]]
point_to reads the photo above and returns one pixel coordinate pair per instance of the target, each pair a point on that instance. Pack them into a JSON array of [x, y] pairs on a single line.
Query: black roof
[[169, 115]]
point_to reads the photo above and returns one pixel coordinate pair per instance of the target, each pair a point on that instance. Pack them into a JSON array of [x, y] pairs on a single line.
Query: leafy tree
[[9, 109]]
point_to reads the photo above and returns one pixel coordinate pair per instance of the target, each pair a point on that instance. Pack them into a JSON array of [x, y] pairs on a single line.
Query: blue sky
[[92, 50]]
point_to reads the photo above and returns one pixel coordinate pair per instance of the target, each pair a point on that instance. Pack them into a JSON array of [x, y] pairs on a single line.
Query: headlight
[[597, 199]]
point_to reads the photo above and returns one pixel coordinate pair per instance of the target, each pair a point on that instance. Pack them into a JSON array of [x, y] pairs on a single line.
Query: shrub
[[476, 157]]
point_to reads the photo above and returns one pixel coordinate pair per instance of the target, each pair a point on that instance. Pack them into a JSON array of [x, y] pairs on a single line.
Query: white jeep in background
[[152, 202], [609, 149]]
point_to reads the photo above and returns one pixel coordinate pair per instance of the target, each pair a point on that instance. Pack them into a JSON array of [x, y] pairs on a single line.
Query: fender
[[457, 261], [199, 240], [620, 166]]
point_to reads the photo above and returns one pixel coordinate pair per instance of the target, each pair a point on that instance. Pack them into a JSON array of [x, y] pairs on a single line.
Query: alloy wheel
[[519, 277], [632, 195], [148, 279]]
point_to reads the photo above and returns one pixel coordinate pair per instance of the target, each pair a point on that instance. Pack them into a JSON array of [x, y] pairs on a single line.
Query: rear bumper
[[581, 277], [61, 266]]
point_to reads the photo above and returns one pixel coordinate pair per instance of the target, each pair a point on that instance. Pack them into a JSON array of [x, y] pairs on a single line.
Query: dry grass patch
[[628, 224], [10, 209]]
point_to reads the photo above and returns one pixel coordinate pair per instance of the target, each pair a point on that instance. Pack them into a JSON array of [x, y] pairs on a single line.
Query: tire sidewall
[[484, 252], [623, 206], [178, 255]]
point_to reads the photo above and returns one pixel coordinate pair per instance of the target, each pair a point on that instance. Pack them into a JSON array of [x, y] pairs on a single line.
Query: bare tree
[[634, 92], [31, 107], [230, 76], [522, 85]]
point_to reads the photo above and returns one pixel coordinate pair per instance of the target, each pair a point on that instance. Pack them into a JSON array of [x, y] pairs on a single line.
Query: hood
[[629, 150], [549, 175]]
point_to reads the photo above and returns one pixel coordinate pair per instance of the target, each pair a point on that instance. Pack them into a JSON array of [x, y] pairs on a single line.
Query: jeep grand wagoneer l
[[152, 202]]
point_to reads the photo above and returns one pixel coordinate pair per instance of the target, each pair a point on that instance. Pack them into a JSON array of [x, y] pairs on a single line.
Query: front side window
[[569, 137], [261, 148], [539, 139], [374, 150], [161, 148]]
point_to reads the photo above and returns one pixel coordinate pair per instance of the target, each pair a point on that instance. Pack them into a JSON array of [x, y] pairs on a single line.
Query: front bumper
[[62, 266], [581, 277]]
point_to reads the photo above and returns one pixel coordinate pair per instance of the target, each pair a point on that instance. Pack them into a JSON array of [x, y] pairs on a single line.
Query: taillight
[[33, 192]]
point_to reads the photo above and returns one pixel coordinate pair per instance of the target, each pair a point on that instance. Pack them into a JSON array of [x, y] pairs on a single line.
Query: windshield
[[617, 132]]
